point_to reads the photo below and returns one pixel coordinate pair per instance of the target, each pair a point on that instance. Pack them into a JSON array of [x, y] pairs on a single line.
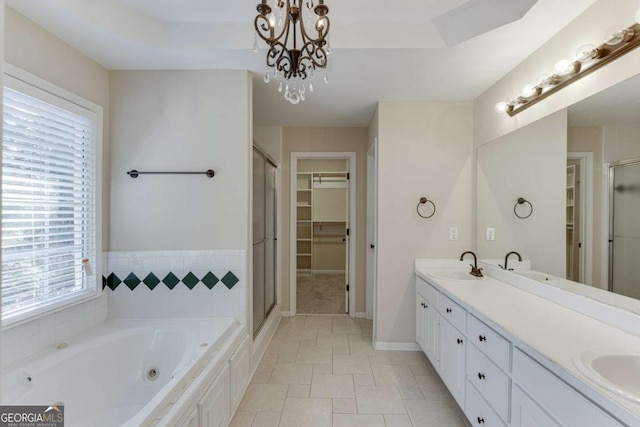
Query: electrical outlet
[[491, 233], [453, 233]]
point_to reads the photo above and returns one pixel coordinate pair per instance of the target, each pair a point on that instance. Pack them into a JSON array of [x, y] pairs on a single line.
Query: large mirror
[[580, 171]]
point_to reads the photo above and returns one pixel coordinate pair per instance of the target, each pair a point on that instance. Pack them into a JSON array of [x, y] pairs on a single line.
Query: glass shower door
[[624, 269], [264, 238]]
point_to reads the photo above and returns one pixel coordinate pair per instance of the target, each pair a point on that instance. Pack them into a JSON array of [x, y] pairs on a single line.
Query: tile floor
[[323, 371]]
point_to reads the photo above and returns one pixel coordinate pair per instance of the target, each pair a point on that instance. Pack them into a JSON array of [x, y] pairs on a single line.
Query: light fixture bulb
[[529, 90], [565, 67], [321, 23], [586, 53], [638, 16], [272, 20], [617, 34], [502, 107]]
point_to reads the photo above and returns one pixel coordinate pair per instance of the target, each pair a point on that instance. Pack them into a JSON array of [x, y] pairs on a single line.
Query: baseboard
[[285, 313], [396, 346], [361, 315]]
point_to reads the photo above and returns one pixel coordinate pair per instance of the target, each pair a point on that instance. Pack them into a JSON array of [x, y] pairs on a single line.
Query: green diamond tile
[[170, 280], [229, 280], [151, 281], [131, 281], [113, 281], [190, 280], [210, 280]]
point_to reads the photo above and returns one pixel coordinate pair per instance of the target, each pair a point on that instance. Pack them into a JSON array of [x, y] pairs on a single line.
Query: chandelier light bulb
[[321, 23], [272, 20], [565, 67], [501, 107]]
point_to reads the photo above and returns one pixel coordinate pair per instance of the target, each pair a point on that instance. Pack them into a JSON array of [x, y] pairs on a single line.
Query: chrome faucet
[[475, 271], [506, 260]]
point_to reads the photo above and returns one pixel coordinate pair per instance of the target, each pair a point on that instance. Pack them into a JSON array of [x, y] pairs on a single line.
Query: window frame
[[28, 84]]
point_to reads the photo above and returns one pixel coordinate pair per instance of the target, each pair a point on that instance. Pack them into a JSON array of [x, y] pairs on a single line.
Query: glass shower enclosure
[[264, 237]]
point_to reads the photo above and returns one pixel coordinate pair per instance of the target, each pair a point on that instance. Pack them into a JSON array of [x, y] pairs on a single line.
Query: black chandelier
[[296, 49]]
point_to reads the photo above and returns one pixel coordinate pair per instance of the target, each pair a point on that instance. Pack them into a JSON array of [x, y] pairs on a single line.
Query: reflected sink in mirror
[[461, 275], [616, 370], [535, 275]]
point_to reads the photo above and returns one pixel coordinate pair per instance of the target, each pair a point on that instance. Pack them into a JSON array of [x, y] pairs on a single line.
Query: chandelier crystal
[[296, 38]]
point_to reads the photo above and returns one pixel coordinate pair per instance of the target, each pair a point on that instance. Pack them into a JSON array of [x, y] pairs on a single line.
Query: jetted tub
[[120, 373]]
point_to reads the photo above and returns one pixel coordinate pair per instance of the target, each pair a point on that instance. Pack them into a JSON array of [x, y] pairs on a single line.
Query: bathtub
[[120, 373]]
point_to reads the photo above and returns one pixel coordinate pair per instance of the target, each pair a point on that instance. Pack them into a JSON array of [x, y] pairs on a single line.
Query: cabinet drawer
[[493, 384], [478, 411], [452, 312], [427, 291], [490, 342], [562, 402]]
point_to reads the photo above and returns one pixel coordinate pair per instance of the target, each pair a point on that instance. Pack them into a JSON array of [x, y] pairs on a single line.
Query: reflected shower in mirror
[[603, 149]]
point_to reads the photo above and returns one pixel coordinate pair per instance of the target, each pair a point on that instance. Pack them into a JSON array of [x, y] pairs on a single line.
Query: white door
[[372, 192]]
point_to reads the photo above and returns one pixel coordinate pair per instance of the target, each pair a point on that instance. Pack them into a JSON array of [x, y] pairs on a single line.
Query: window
[[49, 198]]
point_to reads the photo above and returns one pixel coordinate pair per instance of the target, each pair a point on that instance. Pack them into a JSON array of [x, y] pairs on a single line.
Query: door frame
[[372, 228], [586, 215], [351, 241]]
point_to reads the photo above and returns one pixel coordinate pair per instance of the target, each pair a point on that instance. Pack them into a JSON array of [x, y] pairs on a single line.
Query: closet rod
[[134, 173]]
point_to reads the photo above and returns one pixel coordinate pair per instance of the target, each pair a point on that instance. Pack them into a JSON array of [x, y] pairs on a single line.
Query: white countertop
[[554, 331]]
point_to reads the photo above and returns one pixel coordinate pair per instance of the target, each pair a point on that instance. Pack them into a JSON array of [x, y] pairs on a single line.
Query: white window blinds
[[48, 200]]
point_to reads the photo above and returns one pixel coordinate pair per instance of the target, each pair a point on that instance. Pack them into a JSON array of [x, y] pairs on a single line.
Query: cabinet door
[[526, 413], [431, 334], [192, 420], [213, 408], [451, 360], [421, 323]]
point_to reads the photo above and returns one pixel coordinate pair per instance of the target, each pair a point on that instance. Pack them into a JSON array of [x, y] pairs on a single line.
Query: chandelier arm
[[262, 26], [321, 35], [276, 51], [316, 55]]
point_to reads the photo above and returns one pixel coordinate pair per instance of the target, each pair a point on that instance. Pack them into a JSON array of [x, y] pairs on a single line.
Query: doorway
[[322, 232], [579, 217]]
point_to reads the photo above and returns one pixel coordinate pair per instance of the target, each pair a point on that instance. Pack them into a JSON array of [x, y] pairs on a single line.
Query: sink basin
[[453, 275], [535, 275], [616, 370]]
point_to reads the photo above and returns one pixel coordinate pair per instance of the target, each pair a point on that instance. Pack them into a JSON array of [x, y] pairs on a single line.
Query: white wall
[[269, 140], [425, 149], [590, 27], [531, 163], [621, 143], [180, 121]]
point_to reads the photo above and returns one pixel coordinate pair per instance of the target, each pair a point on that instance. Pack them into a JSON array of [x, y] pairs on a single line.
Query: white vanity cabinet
[[214, 407], [495, 382], [451, 359]]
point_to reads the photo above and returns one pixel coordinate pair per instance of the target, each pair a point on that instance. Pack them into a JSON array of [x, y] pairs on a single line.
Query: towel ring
[[522, 201], [423, 201]]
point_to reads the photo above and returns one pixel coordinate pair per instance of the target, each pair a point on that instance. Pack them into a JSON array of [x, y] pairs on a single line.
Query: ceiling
[[381, 49]]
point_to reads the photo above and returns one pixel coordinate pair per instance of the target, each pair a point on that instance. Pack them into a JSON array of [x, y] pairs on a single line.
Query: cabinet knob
[[480, 375], [482, 338], [480, 420], [449, 310], [460, 341]]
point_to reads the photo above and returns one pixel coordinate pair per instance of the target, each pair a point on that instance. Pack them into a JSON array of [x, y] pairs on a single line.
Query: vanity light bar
[[589, 59]]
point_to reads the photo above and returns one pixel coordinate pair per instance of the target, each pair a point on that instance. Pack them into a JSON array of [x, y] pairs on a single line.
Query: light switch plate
[[491, 233], [453, 233]]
